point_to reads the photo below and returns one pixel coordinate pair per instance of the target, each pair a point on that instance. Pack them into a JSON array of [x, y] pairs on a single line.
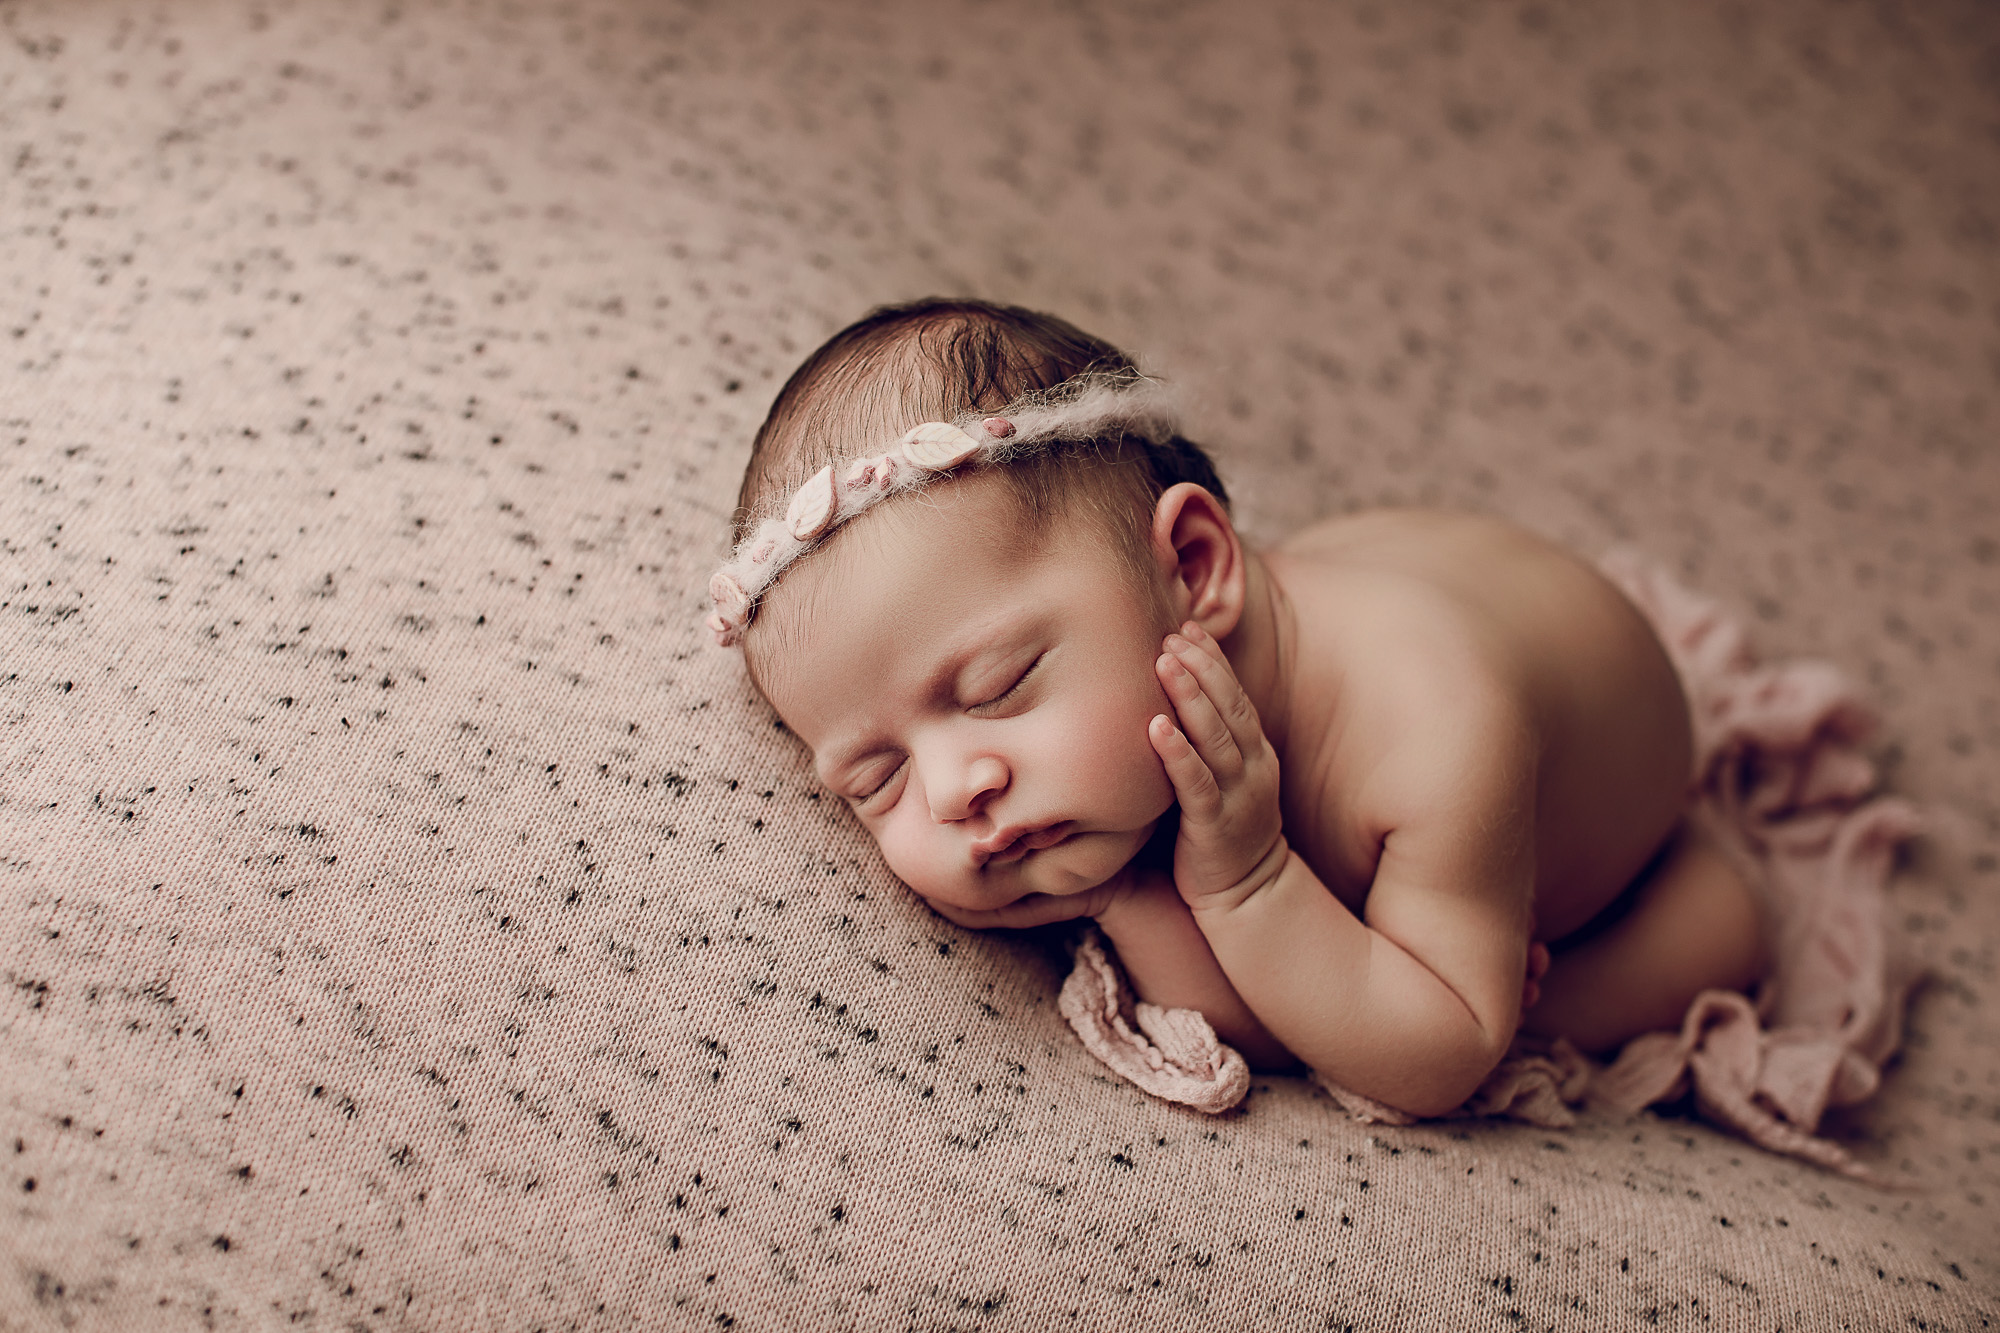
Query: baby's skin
[[1408, 750]]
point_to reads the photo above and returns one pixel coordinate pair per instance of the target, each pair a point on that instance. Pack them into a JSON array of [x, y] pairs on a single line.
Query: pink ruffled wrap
[[1782, 784]]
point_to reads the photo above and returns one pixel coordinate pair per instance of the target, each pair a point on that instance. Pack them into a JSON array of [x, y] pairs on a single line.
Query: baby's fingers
[[1203, 658], [1201, 722], [1194, 783]]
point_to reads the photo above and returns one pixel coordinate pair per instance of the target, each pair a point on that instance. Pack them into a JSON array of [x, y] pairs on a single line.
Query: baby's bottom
[[1689, 925]]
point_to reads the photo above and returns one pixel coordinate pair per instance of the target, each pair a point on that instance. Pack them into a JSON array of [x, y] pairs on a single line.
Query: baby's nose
[[977, 783]]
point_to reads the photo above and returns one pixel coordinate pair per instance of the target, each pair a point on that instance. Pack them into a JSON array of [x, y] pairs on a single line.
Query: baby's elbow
[[1448, 1081], [1433, 1098], [1443, 1093]]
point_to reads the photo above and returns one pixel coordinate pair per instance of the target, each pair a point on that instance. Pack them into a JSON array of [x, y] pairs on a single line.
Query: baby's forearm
[[1348, 1000], [1169, 963]]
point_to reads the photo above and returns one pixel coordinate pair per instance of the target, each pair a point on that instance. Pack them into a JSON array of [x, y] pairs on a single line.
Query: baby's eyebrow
[[944, 677], [988, 638], [827, 772]]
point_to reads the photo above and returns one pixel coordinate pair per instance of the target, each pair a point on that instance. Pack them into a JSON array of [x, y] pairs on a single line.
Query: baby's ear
[[1200, 558]]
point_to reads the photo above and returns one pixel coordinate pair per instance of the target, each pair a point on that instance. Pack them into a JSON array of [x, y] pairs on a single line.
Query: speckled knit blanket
[[1781, 783], [408, 920]]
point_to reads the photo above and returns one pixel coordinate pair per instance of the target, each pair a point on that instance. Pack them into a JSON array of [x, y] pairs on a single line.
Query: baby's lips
[[1011, 844]]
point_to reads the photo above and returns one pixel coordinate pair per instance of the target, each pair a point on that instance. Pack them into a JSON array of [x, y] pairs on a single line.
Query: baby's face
[[983, 707]]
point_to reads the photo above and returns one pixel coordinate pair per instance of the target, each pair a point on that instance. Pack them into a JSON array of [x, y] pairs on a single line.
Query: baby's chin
[[1076, 865]]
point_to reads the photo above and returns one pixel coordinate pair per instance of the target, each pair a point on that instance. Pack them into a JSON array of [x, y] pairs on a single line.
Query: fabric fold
[[1173, 1053]]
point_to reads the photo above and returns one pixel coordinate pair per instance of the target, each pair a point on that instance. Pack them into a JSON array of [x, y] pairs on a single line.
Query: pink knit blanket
[[1781, 782]]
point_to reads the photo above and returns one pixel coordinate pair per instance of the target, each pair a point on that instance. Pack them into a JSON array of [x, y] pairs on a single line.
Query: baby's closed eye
[[1010, 694], [873, 779]]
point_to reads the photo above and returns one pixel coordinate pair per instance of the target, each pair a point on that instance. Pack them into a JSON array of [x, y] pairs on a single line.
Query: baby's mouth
[[1010, 845]]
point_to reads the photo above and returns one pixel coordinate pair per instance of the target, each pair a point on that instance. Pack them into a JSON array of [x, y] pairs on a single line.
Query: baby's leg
[[1691, 925]]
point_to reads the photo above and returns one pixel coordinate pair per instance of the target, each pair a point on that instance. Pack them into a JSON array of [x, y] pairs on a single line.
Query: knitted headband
[[1084, 408]]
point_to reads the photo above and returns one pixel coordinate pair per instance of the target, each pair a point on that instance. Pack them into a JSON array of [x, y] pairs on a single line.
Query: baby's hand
[[1223, 770]]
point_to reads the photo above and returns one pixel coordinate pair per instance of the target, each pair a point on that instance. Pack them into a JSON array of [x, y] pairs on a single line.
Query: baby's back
[[1400, 615]]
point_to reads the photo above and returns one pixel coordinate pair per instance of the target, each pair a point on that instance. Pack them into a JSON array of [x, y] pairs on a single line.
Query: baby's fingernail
[[1193, 631], [1175, 643]]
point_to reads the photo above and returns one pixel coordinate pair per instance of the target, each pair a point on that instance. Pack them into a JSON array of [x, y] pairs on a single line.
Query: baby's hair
[[940, 359]]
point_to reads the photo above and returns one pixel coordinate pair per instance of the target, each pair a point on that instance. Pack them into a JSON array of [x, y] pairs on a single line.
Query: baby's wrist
[[1260, 877]]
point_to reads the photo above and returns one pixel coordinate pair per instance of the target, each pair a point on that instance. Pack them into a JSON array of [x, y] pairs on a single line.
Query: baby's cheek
[[918, 857], [1104, 753], [899, 850]]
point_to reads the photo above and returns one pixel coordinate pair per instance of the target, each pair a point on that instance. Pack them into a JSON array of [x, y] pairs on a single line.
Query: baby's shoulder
[[1420, 542], [1487, 594], [1402, 599], [1402, 652]]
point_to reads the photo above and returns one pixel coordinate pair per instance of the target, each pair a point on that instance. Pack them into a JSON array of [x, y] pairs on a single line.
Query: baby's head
[[965, 625]]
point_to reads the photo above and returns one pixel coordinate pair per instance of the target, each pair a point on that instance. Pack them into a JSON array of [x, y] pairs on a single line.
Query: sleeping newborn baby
[[1374, 799]]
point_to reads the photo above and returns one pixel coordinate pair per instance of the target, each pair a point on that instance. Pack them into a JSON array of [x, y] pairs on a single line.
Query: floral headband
[[1086, 407]]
